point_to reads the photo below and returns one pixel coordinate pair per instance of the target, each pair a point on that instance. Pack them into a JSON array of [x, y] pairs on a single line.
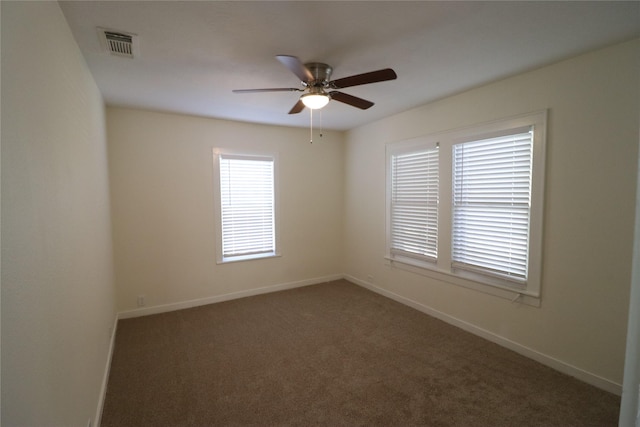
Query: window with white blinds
[[491, 206], [414, 204], [247, 206], [465, 206]]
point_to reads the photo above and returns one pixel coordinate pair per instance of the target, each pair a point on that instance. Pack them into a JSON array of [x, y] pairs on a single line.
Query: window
[[414, 204], [466, 205], [491, 205], [245, 206]]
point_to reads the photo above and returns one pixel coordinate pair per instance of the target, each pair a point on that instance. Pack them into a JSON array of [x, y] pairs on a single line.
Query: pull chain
[[311, 126]]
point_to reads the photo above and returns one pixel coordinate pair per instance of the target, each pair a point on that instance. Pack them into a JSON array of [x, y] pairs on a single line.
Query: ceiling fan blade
[[354, 101], [297, 108], [273, 89], [296, 67], [363, 79]]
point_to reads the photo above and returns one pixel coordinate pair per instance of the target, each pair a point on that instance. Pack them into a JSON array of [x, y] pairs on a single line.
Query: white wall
[[592, 149], [161, 172], [58, 305]]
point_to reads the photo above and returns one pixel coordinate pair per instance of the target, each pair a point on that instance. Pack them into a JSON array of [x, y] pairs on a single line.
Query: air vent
[[118, 43]]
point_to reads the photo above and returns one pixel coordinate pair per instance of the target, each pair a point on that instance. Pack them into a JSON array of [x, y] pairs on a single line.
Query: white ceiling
[[192, 54]]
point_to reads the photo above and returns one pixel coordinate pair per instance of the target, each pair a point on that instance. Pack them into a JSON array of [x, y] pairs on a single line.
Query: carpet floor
[[332, 354]]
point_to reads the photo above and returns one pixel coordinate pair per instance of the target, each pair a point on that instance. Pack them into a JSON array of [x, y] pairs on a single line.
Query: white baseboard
[[145, 311], [549, 361], [105, 378]]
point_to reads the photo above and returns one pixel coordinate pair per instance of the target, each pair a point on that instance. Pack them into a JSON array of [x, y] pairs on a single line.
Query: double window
[[246, 206], [468, 203]]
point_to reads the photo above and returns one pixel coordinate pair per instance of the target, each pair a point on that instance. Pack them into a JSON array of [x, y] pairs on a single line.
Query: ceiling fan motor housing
[[321, 74]]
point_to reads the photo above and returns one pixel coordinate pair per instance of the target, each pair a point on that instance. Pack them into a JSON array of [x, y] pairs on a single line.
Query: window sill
[[416, 267], [248, 257]]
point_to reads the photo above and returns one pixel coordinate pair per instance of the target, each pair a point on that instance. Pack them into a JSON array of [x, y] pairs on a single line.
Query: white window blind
[[247, 205], [414, 204], [491, 206]]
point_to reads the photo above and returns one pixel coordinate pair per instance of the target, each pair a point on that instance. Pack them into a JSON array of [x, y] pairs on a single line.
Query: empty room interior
[[187, 241]]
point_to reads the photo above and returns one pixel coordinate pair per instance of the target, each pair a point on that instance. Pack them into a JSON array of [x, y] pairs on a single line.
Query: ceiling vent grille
[[118, 43]]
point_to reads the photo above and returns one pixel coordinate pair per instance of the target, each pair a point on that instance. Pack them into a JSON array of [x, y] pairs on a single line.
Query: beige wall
[[161, 168], [592, 148], [57, 281]]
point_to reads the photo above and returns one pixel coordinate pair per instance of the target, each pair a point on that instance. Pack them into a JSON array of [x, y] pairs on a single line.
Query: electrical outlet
[[140, 300]]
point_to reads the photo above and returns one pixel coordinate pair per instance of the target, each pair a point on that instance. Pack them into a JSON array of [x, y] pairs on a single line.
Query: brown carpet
[[332, 354]]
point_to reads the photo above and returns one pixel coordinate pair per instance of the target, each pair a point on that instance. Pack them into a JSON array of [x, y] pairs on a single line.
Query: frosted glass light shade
[[314, 100]]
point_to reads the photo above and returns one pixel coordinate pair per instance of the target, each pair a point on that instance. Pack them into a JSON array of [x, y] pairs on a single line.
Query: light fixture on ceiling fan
[[315, 99]]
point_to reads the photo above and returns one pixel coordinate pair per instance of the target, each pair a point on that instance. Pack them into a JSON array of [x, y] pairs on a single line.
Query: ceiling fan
[[315, 79]]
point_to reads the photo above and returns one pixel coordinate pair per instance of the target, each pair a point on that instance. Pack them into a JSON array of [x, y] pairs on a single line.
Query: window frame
[[219, 153], [442, 269]]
